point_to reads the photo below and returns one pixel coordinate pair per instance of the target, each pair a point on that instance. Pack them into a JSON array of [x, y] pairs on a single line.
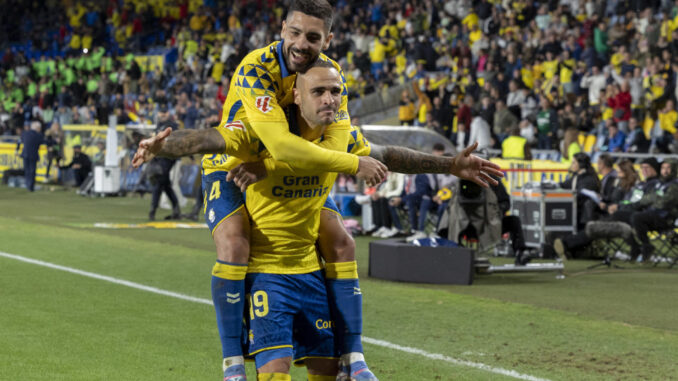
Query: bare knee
[[232, 240], [322, 367], [336, 244], [345, 248], [281, 365]]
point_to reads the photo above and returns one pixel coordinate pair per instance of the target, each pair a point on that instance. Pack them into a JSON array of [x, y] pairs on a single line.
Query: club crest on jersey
[[264, 104]]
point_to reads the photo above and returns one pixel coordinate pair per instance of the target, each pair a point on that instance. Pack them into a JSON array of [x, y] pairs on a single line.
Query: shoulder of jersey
[[264, 56], [258, 69], [323, 57]]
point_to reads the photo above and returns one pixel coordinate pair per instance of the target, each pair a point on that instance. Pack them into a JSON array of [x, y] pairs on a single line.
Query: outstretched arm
[[191, 142], [398, 159], [179, 143], [405, 160], [464, 165]]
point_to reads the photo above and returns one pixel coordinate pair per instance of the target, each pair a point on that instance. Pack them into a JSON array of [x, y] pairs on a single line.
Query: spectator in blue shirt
[[615, 139], [636, 141]]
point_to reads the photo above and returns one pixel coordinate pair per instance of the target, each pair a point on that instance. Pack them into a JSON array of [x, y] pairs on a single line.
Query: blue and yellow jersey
[[260, 89], [285, 215]]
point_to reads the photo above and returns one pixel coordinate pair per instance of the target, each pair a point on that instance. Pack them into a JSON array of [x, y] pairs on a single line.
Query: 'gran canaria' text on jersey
[[300, 187]]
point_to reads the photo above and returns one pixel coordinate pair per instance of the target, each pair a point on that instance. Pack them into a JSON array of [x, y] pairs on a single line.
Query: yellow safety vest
[[513, 147]]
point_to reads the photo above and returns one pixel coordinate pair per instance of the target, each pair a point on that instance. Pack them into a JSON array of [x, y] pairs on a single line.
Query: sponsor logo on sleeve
[[263, 103], [237, 125]]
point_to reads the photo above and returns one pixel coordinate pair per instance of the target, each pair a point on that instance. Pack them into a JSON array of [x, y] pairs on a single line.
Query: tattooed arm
[[190, 142], [464, 165], [405, 160], [179, 143]]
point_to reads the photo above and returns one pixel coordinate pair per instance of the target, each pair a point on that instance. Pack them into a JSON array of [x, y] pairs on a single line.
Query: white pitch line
[[377, 342]]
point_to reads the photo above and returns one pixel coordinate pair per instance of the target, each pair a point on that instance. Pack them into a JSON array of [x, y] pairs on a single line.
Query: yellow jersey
[[284, 207], [260, 89], [284, 211]]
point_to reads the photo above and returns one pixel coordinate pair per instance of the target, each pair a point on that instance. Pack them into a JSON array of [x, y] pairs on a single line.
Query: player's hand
[[473, 168], [149, 148], [246, 174], [371, 170]]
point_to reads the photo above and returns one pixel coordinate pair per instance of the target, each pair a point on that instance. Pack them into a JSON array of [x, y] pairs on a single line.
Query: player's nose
[[301, 43]]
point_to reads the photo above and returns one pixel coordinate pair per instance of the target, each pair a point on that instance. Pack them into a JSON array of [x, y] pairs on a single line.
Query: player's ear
[[297, 96], [284, 29], [326, 45]]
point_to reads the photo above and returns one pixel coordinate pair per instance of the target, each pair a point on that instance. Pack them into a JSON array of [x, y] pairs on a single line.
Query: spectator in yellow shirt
[[406, 109], [667, 122], [378, 56]]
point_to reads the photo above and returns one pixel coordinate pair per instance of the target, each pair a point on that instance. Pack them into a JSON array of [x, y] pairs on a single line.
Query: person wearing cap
[[660, 214], [80, 164], [641, 195]]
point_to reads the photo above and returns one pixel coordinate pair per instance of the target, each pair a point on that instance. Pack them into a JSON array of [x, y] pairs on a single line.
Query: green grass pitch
[[57, 325]]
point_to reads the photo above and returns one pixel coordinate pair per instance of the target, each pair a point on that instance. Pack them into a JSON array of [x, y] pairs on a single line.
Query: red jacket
[[464, 116], [621, 101]]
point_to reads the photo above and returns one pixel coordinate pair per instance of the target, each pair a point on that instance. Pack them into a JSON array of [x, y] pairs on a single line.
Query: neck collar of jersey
[[281, 60]]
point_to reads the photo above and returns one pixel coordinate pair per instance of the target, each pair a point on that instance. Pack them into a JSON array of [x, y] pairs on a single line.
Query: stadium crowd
[[572, 76], [481, 69]]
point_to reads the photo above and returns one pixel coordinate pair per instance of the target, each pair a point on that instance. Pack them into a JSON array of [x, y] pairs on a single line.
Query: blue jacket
[[616, 143], [422, 187]]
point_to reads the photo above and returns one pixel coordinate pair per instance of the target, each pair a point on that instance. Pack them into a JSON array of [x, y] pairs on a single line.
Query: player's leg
[[273, 302], [322, 369], [227, 219], [314, 344], [345, 298], [275, 370]]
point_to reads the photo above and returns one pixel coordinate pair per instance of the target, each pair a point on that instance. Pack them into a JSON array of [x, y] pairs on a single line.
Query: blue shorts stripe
[[331, 205]]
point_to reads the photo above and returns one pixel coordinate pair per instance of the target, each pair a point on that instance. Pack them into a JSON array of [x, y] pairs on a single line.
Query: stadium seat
[[666, 246], [581, 138], [608, 237], [589, 143], [648, 124]]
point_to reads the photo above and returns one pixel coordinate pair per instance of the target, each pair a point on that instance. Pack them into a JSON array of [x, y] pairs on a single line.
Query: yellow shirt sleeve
[[357, 144], [256, 90]]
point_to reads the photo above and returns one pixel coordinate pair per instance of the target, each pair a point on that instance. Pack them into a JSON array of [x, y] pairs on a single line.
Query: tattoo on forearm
[[190, 142], [405, 160]]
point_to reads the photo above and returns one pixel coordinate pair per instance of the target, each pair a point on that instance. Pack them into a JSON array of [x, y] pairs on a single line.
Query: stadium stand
[[542, 66], [554, 64]]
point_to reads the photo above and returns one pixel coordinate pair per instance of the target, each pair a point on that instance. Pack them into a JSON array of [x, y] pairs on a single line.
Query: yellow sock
[[229, 271], [341, 270], [315, 377], [273, 377]]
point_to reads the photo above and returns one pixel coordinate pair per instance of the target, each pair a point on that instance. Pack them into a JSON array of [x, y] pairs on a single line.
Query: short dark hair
[[438, 147], [319, 63], [316, 8], [606, 159]]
